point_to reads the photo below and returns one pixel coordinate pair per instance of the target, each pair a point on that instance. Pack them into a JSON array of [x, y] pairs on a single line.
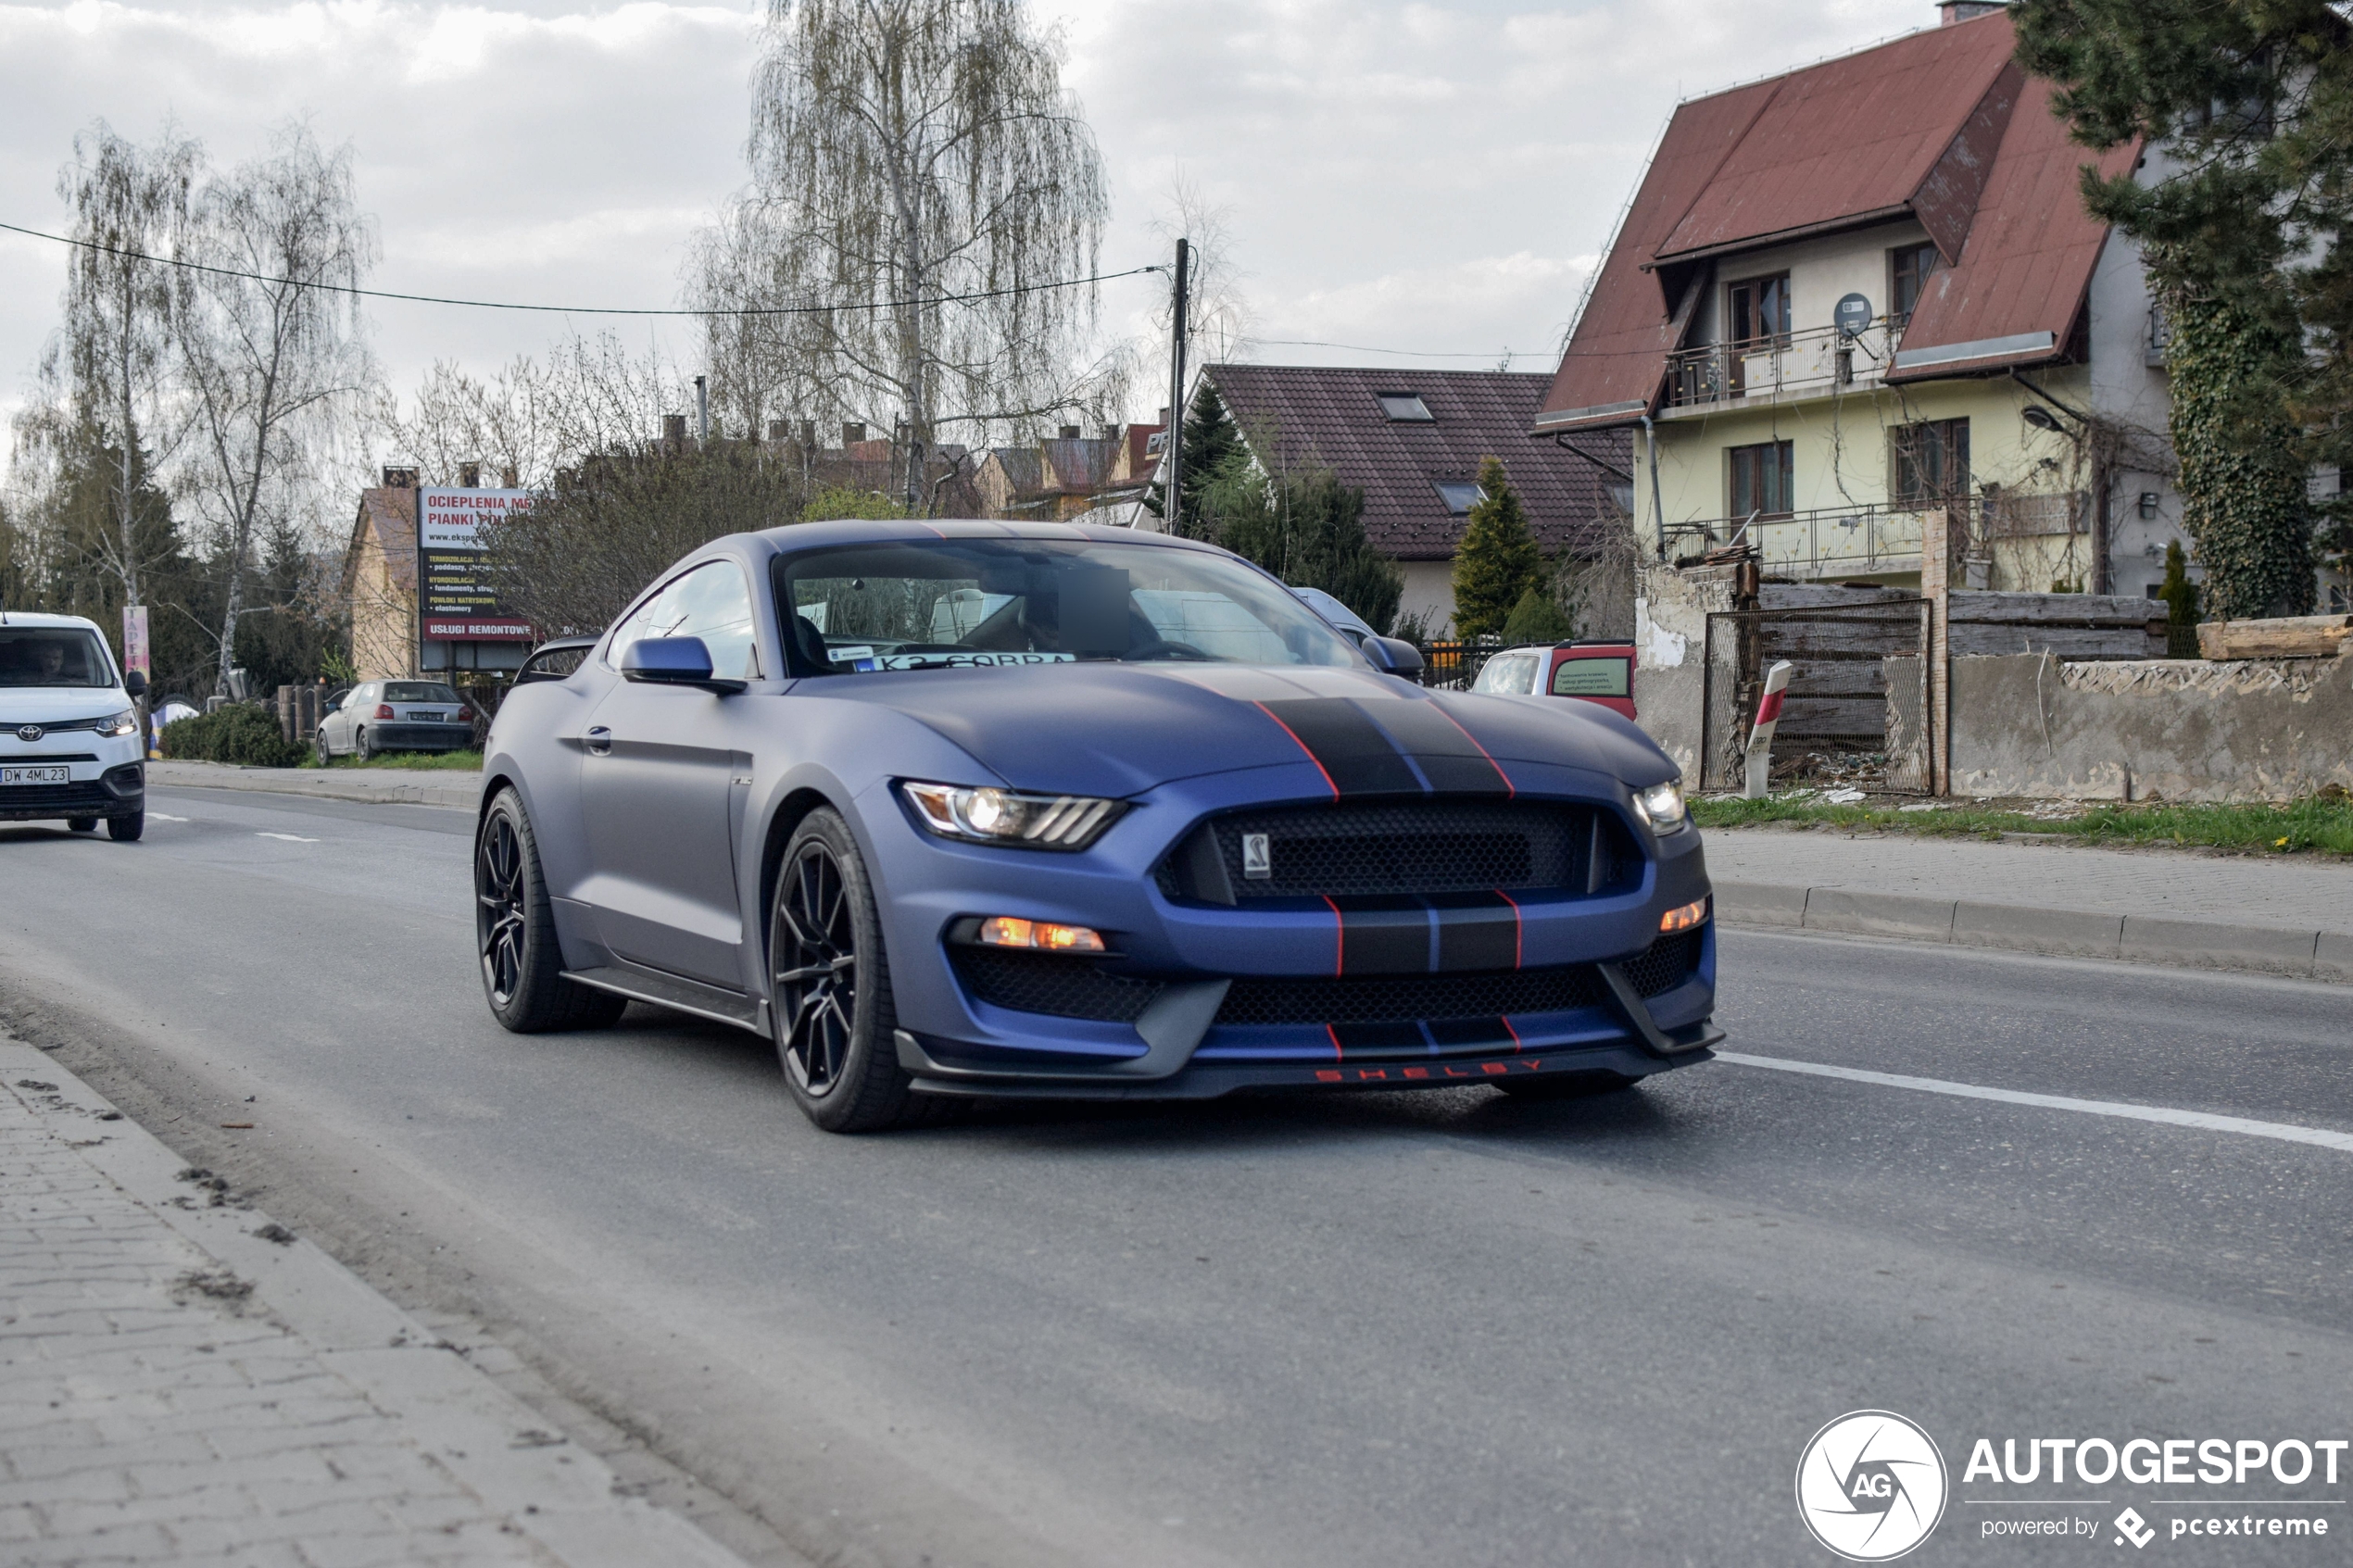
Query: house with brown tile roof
[[380, 578], [1413, 441], [1849, 295]]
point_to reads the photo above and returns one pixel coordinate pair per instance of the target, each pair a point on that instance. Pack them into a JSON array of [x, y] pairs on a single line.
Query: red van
[[1602, 672]]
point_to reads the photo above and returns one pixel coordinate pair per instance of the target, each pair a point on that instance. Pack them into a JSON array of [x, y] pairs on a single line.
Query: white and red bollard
[[1760, 738]]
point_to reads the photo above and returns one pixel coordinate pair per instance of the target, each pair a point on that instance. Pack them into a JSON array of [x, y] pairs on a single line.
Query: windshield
[[980, 603], [418, 691], [52, 655]]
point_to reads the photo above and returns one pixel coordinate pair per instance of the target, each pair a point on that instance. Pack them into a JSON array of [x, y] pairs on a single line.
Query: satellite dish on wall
[[1852, 315]]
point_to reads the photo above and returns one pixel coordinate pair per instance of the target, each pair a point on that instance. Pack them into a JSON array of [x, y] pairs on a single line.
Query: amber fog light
[[1008, 931], [1684, 919]]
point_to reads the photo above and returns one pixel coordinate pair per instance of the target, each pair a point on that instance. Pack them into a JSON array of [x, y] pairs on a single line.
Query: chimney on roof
[[1069, 432], [1164, 416], [673, 431], [468, 476], [400, 479], [852, 435], [1951, 11]]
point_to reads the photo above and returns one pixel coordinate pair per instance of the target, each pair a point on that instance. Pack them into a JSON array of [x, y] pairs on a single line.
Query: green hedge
[[244, 733]]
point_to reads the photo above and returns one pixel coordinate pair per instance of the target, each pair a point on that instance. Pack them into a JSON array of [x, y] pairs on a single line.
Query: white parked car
[[379, 716], [69, 734]]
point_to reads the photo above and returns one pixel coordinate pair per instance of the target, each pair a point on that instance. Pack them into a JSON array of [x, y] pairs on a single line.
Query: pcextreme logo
[[1872, 1485]]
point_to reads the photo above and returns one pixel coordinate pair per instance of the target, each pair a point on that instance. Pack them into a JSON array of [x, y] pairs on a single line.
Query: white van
[[68, 736]]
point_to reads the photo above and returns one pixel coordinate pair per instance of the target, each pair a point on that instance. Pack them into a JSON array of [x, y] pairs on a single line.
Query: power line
[[574, 309]]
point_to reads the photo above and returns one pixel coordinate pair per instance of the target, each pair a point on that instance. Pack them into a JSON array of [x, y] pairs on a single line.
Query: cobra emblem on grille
[[29, 732], [1258, 861]]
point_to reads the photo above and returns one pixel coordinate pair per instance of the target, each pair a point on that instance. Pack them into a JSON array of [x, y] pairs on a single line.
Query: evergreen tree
[[1210, 443], [1308, 529], [2250, 104], [1498, 561], [2179, 596], [1536, 618]]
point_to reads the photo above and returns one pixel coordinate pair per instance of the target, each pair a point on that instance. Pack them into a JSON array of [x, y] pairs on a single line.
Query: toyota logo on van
[[29, 732]]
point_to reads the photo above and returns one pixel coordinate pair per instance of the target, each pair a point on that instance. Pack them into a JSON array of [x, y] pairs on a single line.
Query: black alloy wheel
[[830, 988], [817, 969], [523, 975], [498, 890]]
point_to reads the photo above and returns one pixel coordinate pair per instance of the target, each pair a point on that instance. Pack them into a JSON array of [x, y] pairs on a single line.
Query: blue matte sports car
[[966, 808]]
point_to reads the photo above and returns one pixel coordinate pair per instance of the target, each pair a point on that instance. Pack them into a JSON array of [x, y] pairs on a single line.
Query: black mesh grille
[[1051, 983], [1417, 846], [60, 797], [1666, 965], [1401, 998]]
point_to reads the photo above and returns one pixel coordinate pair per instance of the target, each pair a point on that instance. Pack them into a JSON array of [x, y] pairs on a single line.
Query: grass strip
[[2317, 824], [416, 762]]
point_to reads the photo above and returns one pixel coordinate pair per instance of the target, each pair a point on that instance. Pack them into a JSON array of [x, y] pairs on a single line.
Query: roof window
[[1405, 408], [1460, 496]]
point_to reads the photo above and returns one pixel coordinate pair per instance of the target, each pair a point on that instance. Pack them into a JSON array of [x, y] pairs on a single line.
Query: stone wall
[[1670, 639], [2031, 724]]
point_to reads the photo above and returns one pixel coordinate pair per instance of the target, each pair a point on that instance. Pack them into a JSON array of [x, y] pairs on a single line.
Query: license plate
[[50, 775], [428, 717]]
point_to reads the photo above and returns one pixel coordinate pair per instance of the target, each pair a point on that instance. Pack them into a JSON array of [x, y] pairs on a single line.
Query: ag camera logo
[[1872, 1485]]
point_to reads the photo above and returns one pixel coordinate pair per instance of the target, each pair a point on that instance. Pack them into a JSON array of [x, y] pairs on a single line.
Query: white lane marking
[[160, 817], [2210, 1122], [285, 838]]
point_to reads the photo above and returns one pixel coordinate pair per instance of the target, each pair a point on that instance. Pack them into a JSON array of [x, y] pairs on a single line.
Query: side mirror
[[1393, 656], [135, 682], [674, 662]]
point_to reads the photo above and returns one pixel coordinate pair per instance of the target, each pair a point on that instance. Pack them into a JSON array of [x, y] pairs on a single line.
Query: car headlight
[[1661, 806], [989, 815], [123, 723]]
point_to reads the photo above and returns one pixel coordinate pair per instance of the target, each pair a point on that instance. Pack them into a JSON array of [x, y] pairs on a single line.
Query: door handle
[[600, 741]]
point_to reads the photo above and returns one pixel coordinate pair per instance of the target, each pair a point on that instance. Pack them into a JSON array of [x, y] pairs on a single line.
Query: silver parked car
[[396, 716]]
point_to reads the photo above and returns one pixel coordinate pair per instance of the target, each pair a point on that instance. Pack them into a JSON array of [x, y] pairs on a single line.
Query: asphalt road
[[1445, 1328]]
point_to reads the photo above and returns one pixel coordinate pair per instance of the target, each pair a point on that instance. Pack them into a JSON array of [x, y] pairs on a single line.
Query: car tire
[[81, 824], [326, 756], [829, 988], [126, 830], [1567, 1085], [363, 747], [521, 959]]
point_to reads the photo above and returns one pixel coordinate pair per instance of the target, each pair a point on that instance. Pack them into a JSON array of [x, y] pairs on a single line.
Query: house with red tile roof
[[1413, 442], [1850, 295]]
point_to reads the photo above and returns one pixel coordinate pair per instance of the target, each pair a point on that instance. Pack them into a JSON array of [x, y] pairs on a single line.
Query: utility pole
[[1172, 492], [702, 410]]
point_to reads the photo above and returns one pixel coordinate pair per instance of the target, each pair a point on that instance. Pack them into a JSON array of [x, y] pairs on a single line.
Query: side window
[[711, 602]]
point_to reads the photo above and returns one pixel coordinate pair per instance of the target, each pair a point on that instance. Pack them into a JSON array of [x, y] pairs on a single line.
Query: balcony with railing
[[1808, 364], [1865, 541]]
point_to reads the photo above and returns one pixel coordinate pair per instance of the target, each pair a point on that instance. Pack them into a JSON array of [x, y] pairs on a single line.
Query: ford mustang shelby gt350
[[974, 808]]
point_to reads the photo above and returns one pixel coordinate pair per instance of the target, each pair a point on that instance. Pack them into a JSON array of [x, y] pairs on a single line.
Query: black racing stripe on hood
[[1448, 756], [1356, 754]]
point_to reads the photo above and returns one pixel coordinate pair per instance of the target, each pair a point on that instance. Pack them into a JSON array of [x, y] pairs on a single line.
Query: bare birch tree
[[919, 165], [270, 361], [110, 365]]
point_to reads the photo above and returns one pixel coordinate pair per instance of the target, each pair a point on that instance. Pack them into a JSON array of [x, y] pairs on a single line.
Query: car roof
[[29, 618], [799, 536]]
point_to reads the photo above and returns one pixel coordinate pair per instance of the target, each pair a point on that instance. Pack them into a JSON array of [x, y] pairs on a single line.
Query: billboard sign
[[134, 641], [455, 601]]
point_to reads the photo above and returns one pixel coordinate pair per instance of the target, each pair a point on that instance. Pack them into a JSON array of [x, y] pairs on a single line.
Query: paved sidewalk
[[376, 786], [182, 1381], [2284, 916]]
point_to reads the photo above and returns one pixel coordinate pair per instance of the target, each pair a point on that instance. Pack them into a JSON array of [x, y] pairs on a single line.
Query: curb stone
[[459, 788], [560, 1498], [2025, 928]]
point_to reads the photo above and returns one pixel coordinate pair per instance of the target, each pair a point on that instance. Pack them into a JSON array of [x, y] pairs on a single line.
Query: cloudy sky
[[1428, 176]]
